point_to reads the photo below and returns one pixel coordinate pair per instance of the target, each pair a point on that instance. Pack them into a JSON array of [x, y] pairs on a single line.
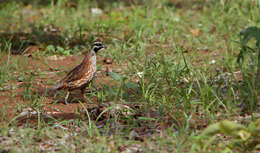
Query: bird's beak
[[105, 47]]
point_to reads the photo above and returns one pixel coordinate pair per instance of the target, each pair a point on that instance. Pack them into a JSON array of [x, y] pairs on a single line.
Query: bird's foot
[[66, 102], [66, 98]]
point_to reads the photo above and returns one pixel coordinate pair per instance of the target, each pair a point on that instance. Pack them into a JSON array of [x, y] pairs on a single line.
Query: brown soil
[[51, 71]]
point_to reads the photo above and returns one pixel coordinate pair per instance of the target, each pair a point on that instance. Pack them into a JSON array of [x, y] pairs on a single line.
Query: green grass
[[175, 72]]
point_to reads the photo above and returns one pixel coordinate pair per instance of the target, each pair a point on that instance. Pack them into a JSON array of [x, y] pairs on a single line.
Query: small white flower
[[212, 62], [176, 19], [140, 74], [96, 11]]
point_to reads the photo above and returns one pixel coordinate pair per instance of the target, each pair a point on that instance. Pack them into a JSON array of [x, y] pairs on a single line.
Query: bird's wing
[[74, 74], [70, 77]]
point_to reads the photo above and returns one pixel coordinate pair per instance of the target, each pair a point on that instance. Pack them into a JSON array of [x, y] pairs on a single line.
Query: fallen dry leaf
[[195, 32]]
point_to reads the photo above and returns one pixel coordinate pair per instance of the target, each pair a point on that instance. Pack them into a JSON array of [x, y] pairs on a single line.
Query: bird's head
[[97, 45]]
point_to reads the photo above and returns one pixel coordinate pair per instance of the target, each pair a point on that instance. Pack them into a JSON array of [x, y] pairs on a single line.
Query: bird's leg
[[67, 96], [83, 93]]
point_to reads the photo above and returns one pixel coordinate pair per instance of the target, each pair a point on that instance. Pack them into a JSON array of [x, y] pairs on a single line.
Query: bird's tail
[[57, 87]]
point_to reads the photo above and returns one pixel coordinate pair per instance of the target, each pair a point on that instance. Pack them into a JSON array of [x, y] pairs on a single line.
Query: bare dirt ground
[[46, 70]]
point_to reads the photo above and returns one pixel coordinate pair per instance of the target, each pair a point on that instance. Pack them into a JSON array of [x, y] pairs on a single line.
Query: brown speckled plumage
[[81, 75]]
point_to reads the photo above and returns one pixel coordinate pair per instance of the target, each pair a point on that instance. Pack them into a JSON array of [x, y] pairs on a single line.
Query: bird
[[81, 75]]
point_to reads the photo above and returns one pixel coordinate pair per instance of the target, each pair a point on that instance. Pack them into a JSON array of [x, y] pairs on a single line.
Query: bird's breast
[[90, 69]]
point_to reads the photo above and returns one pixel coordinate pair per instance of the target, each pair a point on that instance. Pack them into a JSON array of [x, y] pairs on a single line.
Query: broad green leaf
[[257, 146], [211, 130], [245, 36], [251, 32], [228, 127], [132, 85], [114, 75], [244, 135]]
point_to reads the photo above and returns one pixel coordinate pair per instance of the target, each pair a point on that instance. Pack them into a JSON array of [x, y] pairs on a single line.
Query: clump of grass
[[174, 72]]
